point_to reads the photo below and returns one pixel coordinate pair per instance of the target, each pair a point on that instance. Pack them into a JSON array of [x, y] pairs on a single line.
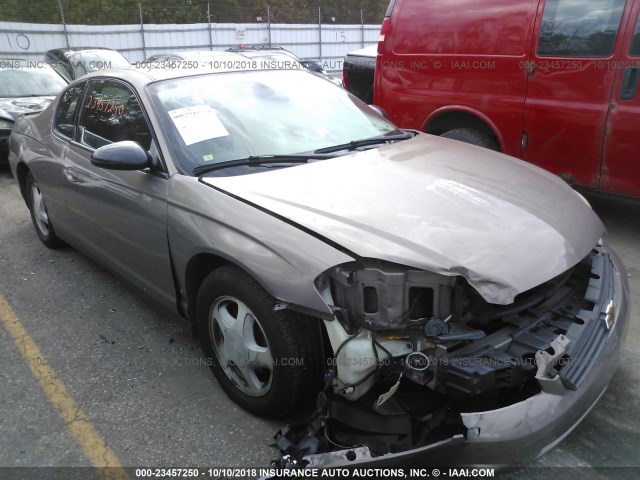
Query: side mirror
[[125, 155], [379, 110]]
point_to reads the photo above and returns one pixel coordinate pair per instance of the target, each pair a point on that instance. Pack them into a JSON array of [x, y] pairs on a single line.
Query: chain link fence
[[323, 31], [126, 12]]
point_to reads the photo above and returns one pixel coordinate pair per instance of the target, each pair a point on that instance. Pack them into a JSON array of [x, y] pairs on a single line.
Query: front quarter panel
[[282, 258]]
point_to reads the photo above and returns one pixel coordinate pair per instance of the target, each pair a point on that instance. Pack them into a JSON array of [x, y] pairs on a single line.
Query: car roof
[[261, 48], [140, 77], [191, 54], [70, 50]]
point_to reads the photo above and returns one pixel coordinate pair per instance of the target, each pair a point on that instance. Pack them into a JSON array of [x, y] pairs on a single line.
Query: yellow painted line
[[94, 448]]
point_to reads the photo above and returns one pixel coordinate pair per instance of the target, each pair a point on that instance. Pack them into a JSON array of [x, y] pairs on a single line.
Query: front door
[[119, 217]]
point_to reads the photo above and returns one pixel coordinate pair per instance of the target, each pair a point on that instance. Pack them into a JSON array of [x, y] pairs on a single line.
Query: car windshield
[[30, 82], [221, 117]]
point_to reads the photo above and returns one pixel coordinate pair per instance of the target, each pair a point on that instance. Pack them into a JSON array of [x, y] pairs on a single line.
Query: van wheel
[[39, 214], [267, 361], [474, 137]]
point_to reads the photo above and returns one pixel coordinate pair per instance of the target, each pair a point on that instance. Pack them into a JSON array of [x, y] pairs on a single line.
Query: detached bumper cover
[[523, 431]]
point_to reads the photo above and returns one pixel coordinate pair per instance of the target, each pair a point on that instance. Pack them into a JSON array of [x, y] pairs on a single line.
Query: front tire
[[266, 361], [39, 214]]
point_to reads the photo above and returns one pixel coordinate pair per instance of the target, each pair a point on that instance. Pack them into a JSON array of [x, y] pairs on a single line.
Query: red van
[[553, 82]]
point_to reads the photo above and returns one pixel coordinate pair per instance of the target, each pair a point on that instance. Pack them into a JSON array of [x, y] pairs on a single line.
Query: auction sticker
[[197, 124]]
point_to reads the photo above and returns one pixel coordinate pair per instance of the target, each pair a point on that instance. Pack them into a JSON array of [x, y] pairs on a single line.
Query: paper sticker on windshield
[[197, 124]]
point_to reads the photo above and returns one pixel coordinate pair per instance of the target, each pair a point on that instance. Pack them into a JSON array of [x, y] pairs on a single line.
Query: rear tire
[[39, 214], [266, 361], [474, 137]]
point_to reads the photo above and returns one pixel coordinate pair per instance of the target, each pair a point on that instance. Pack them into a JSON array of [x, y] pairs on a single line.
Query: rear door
[[571, 78], [621, 163]]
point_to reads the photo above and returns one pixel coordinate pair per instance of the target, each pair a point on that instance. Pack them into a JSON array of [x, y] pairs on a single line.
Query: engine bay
[[414, 351]]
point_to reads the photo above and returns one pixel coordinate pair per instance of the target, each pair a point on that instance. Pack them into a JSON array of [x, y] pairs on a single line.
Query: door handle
[[71, 174], [629, 83]]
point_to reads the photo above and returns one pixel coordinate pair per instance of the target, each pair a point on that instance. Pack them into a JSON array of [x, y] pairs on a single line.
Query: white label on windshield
[[197, 124]]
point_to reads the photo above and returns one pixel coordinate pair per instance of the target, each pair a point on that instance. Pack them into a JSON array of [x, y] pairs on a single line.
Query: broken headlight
[[382, 296], [390, 318]]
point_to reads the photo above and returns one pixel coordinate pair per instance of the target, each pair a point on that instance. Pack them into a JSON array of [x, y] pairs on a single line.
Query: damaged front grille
[[588, 336], [575, 311], [468, 356]]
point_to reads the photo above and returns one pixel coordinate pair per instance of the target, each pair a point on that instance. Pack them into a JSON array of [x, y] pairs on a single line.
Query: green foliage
[[116, 12]]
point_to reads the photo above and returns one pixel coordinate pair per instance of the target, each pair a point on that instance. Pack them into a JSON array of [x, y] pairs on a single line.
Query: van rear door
[[571, 77], [621, 162]]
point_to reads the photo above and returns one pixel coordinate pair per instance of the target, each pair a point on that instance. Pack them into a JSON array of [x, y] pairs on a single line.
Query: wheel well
[[199, 267], [21, 172], [197, 270], [457, 119]]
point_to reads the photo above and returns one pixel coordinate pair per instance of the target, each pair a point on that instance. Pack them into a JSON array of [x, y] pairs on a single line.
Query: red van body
[[553, 82]]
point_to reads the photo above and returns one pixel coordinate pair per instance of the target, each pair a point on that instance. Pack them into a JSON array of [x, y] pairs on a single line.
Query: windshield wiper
[[407, 134], [259, 160]]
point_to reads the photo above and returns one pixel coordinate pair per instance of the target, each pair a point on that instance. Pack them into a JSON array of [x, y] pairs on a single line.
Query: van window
[[468, 28], [575, 28], [635, 43]]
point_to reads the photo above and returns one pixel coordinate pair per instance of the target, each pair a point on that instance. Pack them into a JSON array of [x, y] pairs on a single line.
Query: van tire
[[474, 137]]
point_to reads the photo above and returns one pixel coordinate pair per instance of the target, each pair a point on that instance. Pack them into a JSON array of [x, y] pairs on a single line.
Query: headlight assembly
[[6, 124], [381, 296]]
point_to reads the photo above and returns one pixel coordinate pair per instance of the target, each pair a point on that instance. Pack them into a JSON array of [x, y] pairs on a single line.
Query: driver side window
[[111, 113]]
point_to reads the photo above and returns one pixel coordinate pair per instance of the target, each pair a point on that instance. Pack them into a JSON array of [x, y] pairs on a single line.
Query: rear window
[[575, 28], [67, 108], [464, 27]]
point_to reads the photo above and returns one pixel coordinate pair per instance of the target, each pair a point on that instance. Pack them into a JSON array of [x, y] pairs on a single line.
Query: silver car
[[437, 302], [24, 89]]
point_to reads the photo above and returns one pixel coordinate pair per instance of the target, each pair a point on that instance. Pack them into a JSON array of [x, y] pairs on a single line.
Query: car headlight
[[382, 296], [6, 124]]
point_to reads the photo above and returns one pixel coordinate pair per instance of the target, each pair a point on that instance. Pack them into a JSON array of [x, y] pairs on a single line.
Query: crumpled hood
[[436, 204], [12, 108]]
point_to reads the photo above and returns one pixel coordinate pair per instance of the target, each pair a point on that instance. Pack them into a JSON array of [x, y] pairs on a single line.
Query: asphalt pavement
[[91, 370]]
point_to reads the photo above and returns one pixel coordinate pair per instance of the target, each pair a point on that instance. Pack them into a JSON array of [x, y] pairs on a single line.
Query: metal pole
[[269, 22], [64, 24], [144, 46], [320, 33], [210, 32], [361, 28]]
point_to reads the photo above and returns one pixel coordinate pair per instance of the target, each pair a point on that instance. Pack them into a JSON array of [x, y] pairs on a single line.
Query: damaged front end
[[426, 371]]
